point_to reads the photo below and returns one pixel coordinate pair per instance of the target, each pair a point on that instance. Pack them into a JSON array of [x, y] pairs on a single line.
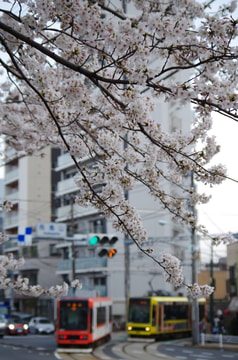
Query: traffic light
[[102, 239], [107, 252], [111, 253]]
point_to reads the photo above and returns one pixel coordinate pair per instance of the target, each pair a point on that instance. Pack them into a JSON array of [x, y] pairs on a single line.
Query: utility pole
[[195, 307], [127, 241], [72, 241], [211, 302]]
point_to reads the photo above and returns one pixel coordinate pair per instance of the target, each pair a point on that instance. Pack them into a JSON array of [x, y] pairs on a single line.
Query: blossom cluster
[[173, 270], [95, 81], [196, 290], [22, 285], [7, 205]]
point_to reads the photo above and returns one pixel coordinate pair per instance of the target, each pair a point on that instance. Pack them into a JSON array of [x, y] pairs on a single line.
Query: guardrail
[[219, 338]]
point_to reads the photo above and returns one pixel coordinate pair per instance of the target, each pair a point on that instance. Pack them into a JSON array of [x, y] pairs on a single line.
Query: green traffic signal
[[94, 240]]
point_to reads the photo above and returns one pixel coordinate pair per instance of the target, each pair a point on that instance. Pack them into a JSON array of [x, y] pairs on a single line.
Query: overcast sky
[[220, 215]]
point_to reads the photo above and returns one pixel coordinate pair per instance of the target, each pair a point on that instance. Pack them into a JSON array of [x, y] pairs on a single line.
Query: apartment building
[[29, 184]]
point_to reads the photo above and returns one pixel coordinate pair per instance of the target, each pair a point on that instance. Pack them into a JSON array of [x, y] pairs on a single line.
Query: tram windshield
[[73, 315], [139, 311]]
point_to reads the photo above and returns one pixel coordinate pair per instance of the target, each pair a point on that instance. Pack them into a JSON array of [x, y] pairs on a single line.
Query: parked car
[[21, 317], [41, 325], [3, 326], [16, 327]]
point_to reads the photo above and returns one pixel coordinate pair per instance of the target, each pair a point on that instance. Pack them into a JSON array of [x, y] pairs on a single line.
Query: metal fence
[[219, 338]]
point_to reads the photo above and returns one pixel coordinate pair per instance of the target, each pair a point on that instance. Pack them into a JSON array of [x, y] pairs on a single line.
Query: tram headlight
[[129, 328], [147, 328]]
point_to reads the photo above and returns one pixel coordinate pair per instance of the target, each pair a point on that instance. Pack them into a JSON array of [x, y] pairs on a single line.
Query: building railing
[[63, 160], [11, 175], [65, 186], [10, 244], [13, 196], [10, 219], [64, 212], [82, 264]]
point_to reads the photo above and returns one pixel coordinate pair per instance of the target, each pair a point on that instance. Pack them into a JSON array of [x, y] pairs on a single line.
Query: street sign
[[51, 230], [24, 236]]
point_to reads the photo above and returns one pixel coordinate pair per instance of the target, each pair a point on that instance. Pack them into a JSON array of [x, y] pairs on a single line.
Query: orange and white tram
[[83, 322]]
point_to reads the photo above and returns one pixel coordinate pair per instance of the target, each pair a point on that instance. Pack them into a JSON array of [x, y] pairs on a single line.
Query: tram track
[[118, 350], [142, 350]]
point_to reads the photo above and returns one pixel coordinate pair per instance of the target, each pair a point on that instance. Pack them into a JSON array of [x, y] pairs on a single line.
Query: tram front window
[[73, 315], [139, 311]]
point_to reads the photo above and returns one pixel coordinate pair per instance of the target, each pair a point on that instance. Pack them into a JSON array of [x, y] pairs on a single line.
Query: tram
[[83, 322], [161, 317]]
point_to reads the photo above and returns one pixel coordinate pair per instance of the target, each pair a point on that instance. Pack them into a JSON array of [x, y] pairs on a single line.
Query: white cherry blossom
[[86, 77]]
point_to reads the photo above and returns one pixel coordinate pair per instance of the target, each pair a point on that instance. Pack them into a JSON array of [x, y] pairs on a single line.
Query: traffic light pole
[[211, 311], [195, 307], [127, 269], [126, 240]]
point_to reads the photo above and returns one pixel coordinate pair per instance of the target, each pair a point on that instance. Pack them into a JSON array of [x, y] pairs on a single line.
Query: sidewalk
[[122, 336], [211, 345]]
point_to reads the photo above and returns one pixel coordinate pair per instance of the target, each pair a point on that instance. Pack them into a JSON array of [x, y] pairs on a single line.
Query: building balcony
[[10, 246], [66, 186], [100, 290], [11, 153], [10, 220], [63, 161], [64, 213], [11, 176], [82, 265], [12, 196]]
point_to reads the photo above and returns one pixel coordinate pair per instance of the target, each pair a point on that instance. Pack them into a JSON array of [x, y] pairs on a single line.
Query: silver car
[[41, 325], [3, 326]]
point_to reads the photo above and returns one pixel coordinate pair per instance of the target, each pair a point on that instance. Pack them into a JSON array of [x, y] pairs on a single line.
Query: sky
[[220, 215]]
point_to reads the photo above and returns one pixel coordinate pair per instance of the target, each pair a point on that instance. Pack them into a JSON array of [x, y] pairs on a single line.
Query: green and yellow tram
[[161, 316]]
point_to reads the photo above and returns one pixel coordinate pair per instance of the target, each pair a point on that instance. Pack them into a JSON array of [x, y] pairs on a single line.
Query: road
[[181, 352], [20, 353], [43, 347], [37, 342]]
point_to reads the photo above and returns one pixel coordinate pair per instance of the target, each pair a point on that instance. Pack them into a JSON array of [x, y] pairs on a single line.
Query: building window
[[98, 226], [66, 253], [32, 275], [30, 251], [99, 281], [53, 251]]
